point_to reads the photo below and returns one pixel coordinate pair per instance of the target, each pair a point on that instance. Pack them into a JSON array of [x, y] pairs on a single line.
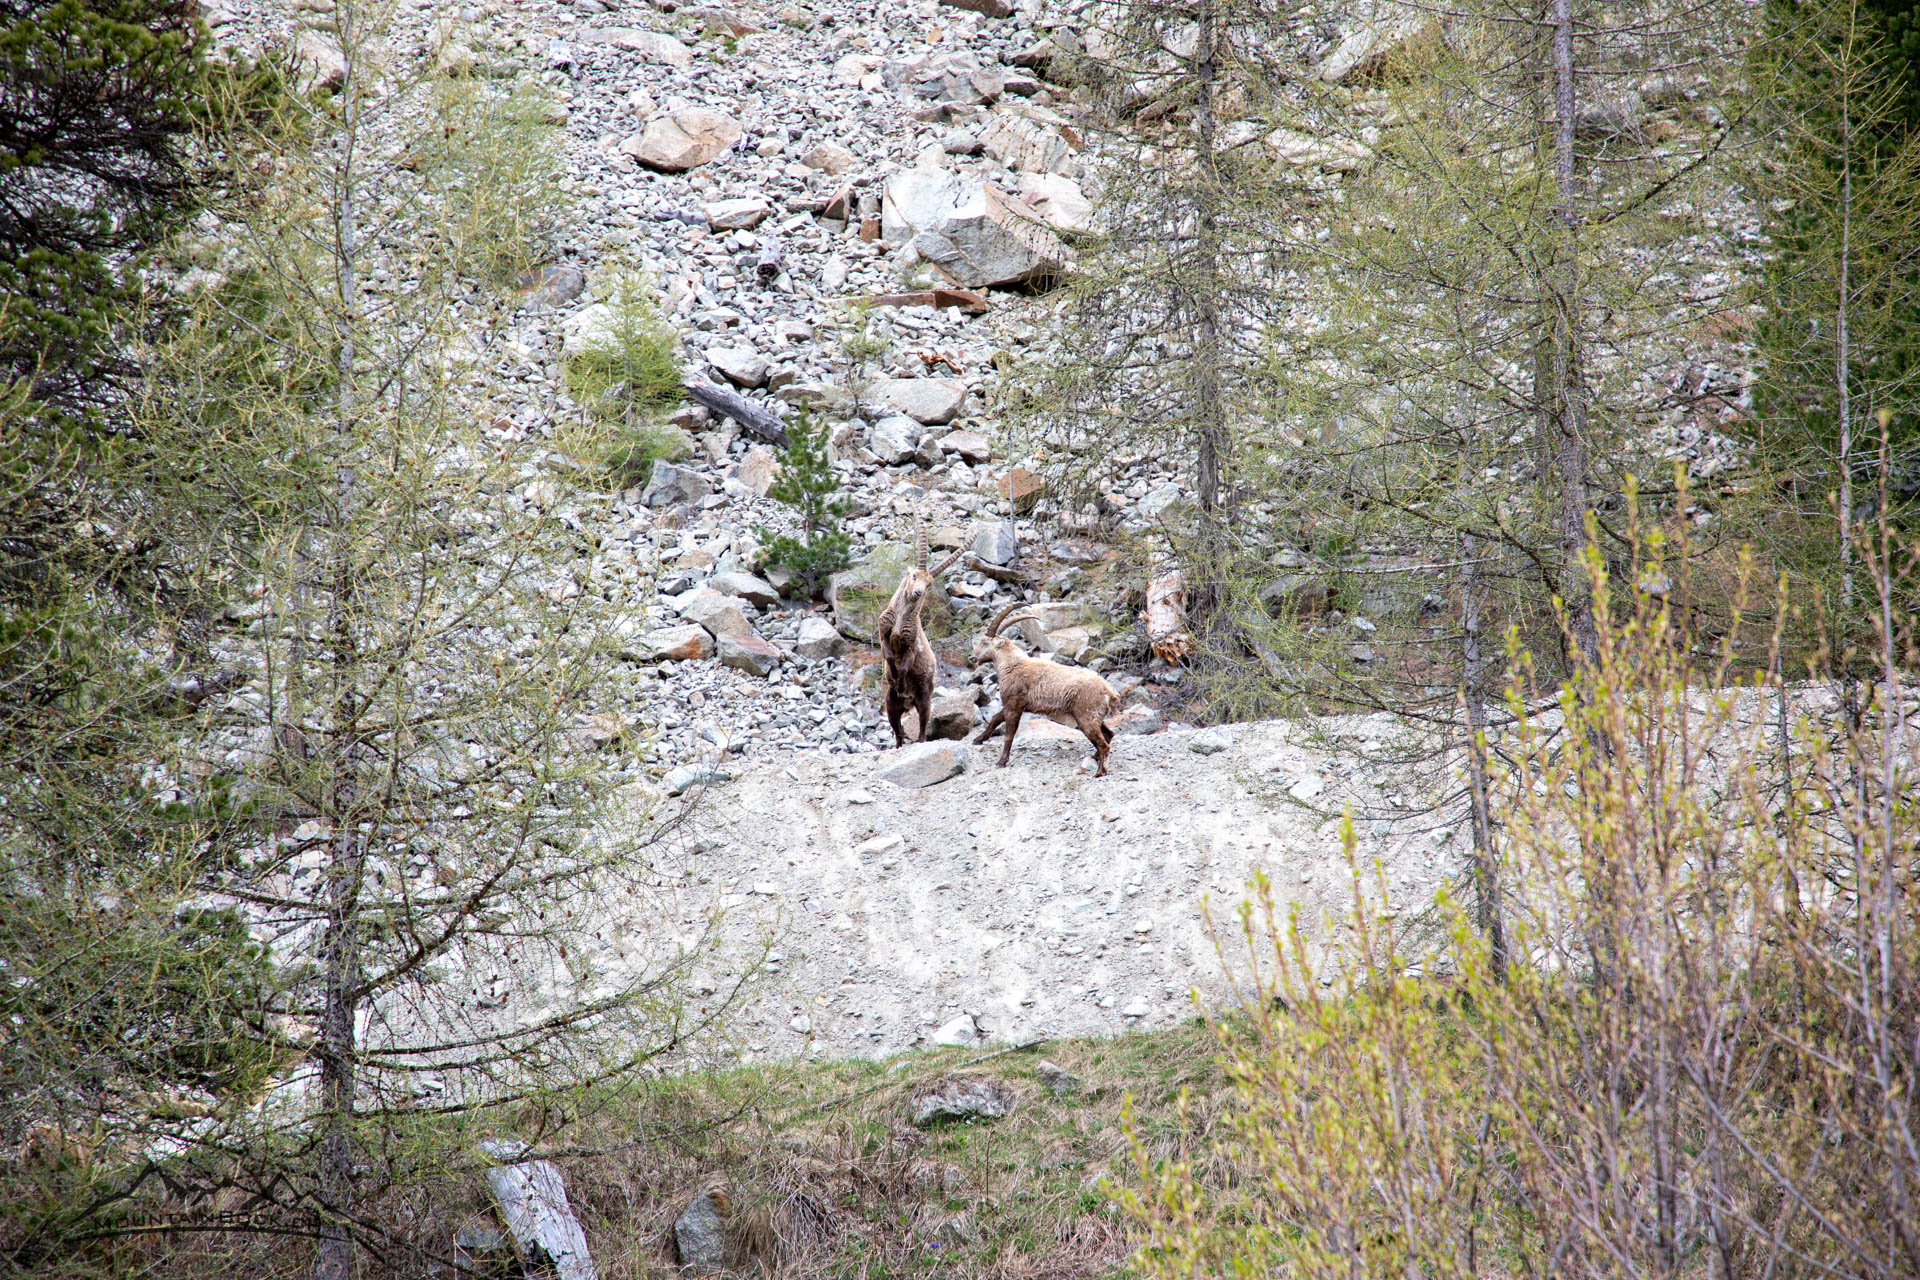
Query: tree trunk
[[1486, 874], [1842, 356], [340, 956], [1204, 290], [763, 423], [1568, 393]]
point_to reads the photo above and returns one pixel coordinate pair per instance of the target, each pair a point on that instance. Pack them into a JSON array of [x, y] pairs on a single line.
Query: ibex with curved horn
[[1070, 695], [906, 656]]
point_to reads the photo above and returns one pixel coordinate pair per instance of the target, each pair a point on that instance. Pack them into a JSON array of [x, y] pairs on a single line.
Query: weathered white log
[[757, 420], [533, 1201], [1166, 618]]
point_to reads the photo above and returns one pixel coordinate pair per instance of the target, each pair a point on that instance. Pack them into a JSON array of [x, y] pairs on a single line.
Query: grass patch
[[820, 1169]]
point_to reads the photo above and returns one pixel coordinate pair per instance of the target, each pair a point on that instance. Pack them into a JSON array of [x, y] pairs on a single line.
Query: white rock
[[719, 614], [1060, 201], [684, 140], [894, 439], [1209, 742], [924, 764], [743, 366], [959, 1031], [854, 68], [653, 46], [829, 157], [931, 401], [741, 214], [818, 639], [322, 65], [758, 470], [1307, 788], [746, 586], [972, 232], [590, 327]]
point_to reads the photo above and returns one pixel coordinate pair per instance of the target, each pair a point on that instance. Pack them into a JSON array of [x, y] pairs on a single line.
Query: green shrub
[[1696, 1059], [808, 485], [489, 169], [632, 370], [629, 459]]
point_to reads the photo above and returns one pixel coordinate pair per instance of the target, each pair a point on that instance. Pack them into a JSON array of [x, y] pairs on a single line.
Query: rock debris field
[[762, 167], [1000, 905]]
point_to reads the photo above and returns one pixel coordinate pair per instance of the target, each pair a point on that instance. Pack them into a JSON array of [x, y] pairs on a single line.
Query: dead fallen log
[[757, 419], [999, 573], [767, 268], [1166, 618], [533, 1201]]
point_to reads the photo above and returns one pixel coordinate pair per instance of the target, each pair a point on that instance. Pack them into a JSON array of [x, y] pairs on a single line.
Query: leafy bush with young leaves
[[807, 484], [1696, 1053]]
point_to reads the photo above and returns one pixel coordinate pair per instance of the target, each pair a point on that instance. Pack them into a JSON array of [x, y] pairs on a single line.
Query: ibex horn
[[993, 628], [919, 542], [948, 562]]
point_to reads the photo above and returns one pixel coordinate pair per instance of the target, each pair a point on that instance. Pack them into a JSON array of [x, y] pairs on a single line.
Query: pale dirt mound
[[1037, 899]]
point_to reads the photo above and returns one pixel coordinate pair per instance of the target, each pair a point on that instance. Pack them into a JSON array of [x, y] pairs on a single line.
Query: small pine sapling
[[808, 485]]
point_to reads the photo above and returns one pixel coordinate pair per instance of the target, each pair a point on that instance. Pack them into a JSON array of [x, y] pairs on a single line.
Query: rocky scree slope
[[764, 166]]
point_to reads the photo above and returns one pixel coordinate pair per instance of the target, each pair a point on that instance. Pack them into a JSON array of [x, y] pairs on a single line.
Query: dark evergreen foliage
[[808, 485], [96, 101]]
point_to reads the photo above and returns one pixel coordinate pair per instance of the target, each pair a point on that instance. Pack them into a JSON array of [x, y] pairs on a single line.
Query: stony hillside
[[855, 209]]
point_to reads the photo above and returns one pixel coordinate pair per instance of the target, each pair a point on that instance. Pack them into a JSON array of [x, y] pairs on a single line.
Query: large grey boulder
[[747, 586], [749, 653], [894, 439], [952, 717], [817, 639], [1060, 201], [996, 542], [742, 366], [321, 64], [720, 614], [1060, 1082], [925, 764], [973, 233], [1209, 742], [1026, 145], [670, 485], [700, 1235], [652, 46], [742, 213], [758, 470], [929, 401], [961, 1098], [1366, 51], [684, 140]]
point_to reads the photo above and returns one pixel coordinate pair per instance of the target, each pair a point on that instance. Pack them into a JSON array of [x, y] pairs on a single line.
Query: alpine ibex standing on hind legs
[[1070, 695], [906, 656]]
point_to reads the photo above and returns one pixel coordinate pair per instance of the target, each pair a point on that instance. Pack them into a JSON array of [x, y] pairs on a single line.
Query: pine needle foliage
[[807, 483]]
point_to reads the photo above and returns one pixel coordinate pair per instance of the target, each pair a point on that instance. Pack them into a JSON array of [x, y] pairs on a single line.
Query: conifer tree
[[1841, 335], [807, 484]]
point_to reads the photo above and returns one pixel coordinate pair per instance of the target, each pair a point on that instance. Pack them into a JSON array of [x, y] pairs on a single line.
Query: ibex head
[[917, 581], [991, 641]]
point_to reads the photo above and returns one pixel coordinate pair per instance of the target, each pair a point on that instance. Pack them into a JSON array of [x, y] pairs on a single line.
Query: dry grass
[[821, 1172], [824, 1175]]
